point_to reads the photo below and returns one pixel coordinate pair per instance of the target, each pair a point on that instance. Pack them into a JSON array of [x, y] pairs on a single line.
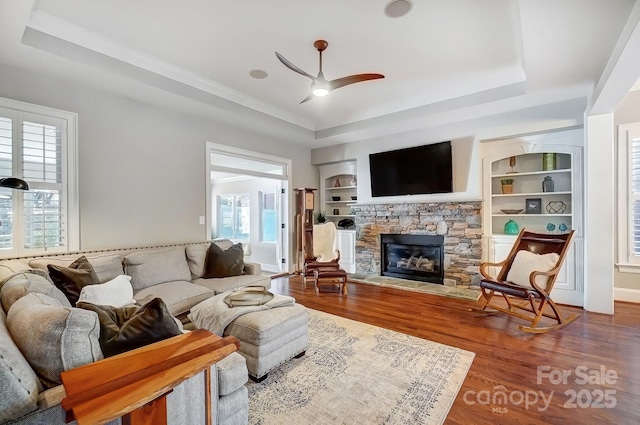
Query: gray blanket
[[215, 315]]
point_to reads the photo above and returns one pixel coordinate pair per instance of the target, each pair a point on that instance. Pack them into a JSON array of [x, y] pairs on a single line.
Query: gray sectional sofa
[[41, 334]]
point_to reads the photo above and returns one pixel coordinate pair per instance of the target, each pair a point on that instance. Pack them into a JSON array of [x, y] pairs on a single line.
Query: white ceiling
[[444, 54]]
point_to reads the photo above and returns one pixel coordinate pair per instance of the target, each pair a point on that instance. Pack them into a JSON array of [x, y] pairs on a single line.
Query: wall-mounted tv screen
[[412, 171]]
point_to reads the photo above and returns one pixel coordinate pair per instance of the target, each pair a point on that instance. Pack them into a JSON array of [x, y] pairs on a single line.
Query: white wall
[[142, 167]]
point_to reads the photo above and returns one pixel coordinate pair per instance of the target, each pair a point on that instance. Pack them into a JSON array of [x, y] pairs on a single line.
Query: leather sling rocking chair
[[528, 273]]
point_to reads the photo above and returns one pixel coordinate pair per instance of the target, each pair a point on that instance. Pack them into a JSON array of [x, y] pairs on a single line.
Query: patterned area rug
[[354, 373], [412, 285]]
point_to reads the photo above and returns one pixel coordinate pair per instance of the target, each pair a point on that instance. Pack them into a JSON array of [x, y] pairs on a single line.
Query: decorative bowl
[[512, 211], [354, 198], [335, 198]]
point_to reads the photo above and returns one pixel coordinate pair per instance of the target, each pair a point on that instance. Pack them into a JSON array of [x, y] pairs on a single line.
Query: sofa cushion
[[179, 296], [232, 373], [127, 328], [70, 280], [19, 385], [20, 284], [52, 337], [224, 262], [11, 267], [106, 265], [116, 293], [224, 284], [152, 267], [196, 254]]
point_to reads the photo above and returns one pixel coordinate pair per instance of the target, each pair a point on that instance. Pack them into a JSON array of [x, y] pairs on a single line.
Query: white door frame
[[212, 148]]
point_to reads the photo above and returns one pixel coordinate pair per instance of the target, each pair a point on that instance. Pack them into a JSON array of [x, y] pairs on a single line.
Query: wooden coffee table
[[330, 276]]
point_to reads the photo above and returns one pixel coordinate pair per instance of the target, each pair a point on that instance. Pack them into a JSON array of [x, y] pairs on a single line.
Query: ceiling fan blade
[[352, 79], [292, 67], [308, 98]]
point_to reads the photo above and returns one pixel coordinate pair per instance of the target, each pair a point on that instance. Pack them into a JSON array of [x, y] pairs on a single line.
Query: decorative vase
[[511, 228], [547, 184], [337, 183], [354, 181], [507, 188], [548, 161]]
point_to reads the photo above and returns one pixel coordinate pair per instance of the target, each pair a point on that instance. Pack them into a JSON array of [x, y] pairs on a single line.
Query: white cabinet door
[[347, 248]]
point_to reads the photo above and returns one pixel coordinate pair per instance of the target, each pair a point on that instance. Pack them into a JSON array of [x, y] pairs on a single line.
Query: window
[[234, 216], [629, 198], [268, 217], [37, 144]]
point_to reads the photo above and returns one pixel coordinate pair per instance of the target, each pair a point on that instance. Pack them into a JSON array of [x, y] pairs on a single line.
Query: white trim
[[626, 294], [628, 268]]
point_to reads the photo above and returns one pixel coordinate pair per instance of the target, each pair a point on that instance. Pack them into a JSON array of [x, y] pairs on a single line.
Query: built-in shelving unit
[[528, 175], [521, 159], [346, 189]]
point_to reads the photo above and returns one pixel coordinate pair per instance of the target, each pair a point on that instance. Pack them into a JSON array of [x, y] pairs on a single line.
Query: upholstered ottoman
[[269, 338]]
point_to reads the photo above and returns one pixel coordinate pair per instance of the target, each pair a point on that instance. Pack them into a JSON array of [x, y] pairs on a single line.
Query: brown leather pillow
[[223, 263], [70, 280], [127, 328]]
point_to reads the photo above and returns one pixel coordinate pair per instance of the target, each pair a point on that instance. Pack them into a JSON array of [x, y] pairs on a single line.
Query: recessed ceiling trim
[[65, 31]]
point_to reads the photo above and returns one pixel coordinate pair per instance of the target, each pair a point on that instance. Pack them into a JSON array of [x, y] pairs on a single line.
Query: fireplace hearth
[[415, 257]]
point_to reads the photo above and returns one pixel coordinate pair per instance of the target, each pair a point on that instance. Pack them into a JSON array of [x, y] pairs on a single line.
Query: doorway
[[247, 202]]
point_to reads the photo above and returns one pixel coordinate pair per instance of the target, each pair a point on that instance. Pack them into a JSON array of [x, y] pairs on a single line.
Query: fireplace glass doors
[[415, 257]]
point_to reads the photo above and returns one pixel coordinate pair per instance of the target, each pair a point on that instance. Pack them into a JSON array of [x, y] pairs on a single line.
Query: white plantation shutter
[[634, 196], [42, 168], [35, 146]]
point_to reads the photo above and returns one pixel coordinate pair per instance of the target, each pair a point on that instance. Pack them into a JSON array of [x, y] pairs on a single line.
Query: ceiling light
[[258, 74], [397, 8], [320, 87]]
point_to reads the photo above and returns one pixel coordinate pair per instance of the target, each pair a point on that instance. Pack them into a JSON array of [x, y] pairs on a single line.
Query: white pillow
[[527, 262], [117, 292]]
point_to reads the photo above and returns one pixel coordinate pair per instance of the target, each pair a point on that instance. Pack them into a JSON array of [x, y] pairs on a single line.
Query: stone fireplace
[[459, 224]]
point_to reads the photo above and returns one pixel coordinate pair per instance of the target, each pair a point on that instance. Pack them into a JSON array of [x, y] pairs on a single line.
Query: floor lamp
[[14, 183]]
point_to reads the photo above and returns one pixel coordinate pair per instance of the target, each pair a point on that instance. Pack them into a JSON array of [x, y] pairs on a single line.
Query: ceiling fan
[[320, 86]]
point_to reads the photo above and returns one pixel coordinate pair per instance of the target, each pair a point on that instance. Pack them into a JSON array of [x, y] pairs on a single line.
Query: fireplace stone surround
[[462, 237]]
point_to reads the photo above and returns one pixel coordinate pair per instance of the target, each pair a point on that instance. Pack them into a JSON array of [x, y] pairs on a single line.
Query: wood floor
[[506, 366]]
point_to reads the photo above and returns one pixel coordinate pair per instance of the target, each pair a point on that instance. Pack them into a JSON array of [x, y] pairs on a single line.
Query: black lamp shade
[[14, 183]]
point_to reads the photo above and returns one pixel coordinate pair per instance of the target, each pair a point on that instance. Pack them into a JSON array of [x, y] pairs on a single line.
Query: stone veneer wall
[[462, 240]]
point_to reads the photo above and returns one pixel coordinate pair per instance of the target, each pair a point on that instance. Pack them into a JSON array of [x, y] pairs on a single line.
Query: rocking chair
[[529, 272]]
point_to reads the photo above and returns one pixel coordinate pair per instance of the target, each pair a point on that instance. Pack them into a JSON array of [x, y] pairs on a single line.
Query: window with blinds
[[33, 147], [629, 198], [634, 195]]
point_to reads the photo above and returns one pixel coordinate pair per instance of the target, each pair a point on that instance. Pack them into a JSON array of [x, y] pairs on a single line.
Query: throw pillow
[[70, 280], [224, 263], [117, 292], [527, 262], [52, 337], [126, 328]]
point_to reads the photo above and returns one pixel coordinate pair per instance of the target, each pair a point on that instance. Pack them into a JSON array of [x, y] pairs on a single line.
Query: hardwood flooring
[[516, 377]]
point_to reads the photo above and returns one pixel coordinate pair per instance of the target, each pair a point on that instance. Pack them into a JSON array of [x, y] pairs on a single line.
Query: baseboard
[[626, 294]]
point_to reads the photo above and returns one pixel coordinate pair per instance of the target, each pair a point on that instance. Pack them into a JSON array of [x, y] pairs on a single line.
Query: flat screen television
[[412, 171]]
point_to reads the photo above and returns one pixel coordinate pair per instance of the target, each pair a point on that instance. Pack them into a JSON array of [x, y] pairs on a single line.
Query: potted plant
[[507, 185], [321, 217]]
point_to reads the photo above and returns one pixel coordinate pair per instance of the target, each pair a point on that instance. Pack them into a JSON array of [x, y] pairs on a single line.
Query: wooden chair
[[325, 252], [529, 273]]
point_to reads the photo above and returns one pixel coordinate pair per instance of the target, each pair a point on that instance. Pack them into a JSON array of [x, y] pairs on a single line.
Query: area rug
[[412, 285], [354, 373]]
